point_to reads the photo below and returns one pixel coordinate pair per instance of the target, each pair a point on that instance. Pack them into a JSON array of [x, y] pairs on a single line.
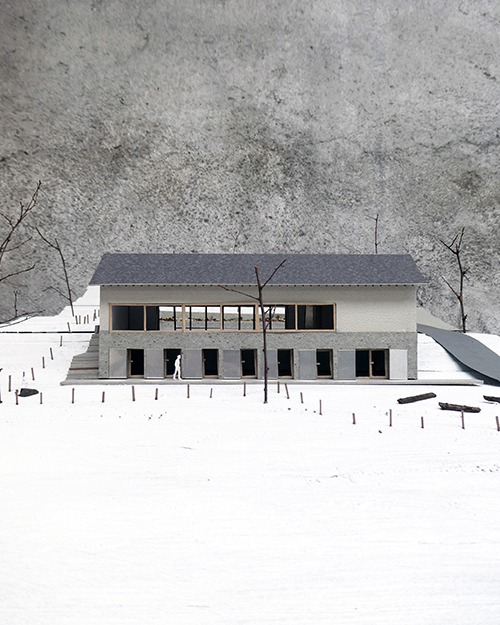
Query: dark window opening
[[248, 368], [170, 356], [127, 318], [280, 316], [152, 318], [210, 363], [136, 363], [285, 363], [371, 363], [324, 363], [312, 317]]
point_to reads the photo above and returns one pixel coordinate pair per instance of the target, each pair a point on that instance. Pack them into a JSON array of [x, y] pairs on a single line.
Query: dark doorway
[[285, 363], [324, 363], [136, 363], [210, 363], [248, 367], [371, 363], [170, 356]]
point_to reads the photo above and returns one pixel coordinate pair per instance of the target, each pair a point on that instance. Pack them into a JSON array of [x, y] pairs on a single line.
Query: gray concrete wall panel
[[155, 363], [231, 364], [347, 364], [118, 363], [192, 364], [307, 364], [398, 364]]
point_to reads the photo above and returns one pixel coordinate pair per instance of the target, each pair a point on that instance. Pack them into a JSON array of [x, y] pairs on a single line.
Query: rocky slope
[[261, 126]]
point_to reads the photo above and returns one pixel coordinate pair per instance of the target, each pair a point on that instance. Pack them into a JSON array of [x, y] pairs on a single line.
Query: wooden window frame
[[257, 319], [370, 364]]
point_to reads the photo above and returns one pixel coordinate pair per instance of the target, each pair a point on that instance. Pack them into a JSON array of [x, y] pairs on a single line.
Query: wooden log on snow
[[491, 398], [409, 400], [458, 408]]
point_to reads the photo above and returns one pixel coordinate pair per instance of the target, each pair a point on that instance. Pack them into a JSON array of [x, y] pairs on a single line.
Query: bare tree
[[455, 248], [12, 240], [265, 321], [58, 249]]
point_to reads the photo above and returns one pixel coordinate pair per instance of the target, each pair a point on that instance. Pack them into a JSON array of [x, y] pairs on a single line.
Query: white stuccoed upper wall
[[358, 308]]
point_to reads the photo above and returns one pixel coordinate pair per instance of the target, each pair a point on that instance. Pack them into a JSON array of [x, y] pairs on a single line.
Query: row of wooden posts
[[86, 318]]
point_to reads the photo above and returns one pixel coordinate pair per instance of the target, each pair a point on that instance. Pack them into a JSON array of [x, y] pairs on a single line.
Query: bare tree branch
[[455, 247], [16, 273], [57, 247]]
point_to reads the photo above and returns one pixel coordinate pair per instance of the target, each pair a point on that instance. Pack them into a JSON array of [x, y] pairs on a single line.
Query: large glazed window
[[238, 317], [127, 318], [315, 317], [280, 316], [202, 317], [170, 318]]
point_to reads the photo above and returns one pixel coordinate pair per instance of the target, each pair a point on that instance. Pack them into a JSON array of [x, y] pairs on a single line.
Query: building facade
[[328, 316]]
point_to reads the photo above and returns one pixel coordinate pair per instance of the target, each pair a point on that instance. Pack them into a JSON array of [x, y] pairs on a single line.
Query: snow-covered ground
[[223, 510]]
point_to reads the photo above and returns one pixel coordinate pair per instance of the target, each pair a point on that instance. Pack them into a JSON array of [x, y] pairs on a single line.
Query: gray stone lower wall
[[250, 340]]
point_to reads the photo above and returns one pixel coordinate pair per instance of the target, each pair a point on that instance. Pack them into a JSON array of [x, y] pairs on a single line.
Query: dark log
[[491, 398], [409, 400], [459, 408], [26, 392]]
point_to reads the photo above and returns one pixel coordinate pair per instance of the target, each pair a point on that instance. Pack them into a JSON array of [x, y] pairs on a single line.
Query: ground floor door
[[248, 363], [324, 363], [285, 363], [210, 363], [136, 363], [371, 363], [170, 356]]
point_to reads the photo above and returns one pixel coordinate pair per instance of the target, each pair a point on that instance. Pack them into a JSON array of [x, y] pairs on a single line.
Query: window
[[129, 318], [248, 359], [299, 316], [314, 317], [170, 318], [203, 318], [324, 363], [285, 363], [210, 363], [371, 363], [136, 363], [238, 317]]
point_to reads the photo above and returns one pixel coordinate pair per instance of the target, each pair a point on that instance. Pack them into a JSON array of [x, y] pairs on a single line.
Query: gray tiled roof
[[239, 269]]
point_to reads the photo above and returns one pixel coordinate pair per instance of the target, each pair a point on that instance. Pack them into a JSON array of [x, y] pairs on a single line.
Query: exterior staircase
[[86, 366]]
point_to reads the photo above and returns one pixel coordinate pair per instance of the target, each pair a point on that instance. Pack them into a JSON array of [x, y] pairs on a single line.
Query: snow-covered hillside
[[220, 510]]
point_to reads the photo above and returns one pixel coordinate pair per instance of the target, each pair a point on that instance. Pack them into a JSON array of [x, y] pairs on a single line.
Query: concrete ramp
[[467, 350]]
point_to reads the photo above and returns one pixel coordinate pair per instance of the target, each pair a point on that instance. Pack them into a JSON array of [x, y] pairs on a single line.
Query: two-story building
[[330, 316]]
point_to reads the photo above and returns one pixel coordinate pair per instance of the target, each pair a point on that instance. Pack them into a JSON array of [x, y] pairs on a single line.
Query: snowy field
[[223, 510]]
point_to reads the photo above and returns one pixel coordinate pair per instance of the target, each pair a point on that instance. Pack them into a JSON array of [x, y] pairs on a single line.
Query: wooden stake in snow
[[301, 398], [60, 341], [133, 393], [69, 329], [463, 421], [103, 396], [498, 424], [32, 374], [244, 389], [353, 419], [17, 398], [320, 408], [211, 393], [390, 417], [278, 386], [52, 353], [72, 395], [156, 394], [10, 383], [422, 422], [286, 389], [43, 362], [188, 391], [41, 401]]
